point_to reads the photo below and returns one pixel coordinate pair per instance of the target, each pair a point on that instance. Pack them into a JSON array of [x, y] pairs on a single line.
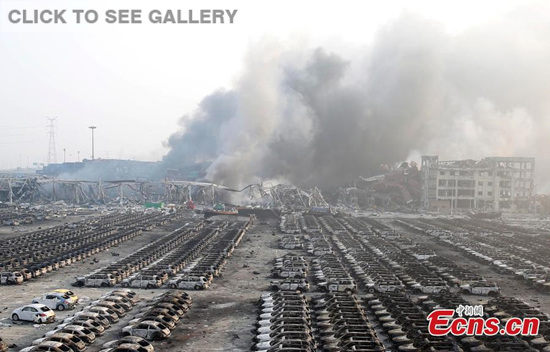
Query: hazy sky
[[134, 82]]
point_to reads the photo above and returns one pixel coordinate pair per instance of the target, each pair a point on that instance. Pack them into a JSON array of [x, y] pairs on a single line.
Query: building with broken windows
[[490, 184]]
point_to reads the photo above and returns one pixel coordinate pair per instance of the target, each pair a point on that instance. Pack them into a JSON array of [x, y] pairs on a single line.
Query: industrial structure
[[490, 184], [396, 189]]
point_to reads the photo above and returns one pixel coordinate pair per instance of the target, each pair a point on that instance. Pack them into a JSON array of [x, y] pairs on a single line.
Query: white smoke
[[312, 117]]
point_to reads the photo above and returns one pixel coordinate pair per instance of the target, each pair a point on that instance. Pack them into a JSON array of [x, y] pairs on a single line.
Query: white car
[[37, 313], [143, 281], [430, 288], [385, 286], [338, 285], [55, 300], [481, 288], [190, 283], [290, 285], [150, 330]]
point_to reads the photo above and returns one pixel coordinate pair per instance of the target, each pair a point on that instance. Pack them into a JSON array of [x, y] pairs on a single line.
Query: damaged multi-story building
[[490, 184]]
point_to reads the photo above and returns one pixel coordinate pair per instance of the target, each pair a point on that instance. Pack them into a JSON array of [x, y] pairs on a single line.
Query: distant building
[[105, 170], [116, 169], [491, 184]]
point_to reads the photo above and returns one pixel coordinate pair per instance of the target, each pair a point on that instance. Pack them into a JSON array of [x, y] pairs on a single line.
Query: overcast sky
[[135, 82]]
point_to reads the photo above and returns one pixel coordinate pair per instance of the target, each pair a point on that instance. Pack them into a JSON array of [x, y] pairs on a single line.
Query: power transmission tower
[[52, 154]]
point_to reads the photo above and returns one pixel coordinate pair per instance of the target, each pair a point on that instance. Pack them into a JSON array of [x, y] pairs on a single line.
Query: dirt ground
[[222, 317]]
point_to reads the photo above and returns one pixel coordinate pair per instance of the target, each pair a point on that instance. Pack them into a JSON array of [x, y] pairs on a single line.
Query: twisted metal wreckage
[[42, 189]]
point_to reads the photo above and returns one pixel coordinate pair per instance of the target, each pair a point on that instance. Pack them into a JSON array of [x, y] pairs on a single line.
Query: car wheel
[[104, 284], [15, 317], [125, 284], [60, 307], [465, 292], [197, 287], [174, 286], [149, 286], [371, 290]]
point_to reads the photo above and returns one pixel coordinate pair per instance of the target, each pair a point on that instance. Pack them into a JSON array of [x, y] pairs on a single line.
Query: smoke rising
[[311, 116]]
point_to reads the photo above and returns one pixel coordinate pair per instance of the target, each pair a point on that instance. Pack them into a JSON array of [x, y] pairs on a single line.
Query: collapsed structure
[[491, 184], [397, 189]]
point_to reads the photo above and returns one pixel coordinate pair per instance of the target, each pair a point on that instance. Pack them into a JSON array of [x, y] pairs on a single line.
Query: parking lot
[[387, 272]]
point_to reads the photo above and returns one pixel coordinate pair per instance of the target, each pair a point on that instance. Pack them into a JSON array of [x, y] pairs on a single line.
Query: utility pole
[[92, 128], [78, 157], [10, 189], [52, 154], [64, 155], [121, 193]]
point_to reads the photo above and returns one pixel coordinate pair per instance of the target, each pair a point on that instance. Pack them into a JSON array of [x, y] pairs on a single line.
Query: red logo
[[442, 322]]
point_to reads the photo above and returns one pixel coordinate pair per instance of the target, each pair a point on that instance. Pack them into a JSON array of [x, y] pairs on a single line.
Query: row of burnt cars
[[521, 254], [291, 242], [138, 261], [156, 321], [291, 223], [503, 308], [199, 274], [336, 321], [34, 254], [403, 320], [390, 268], [26, 214], [188, 258], [292, 271], [404, 324], [383, 261]]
